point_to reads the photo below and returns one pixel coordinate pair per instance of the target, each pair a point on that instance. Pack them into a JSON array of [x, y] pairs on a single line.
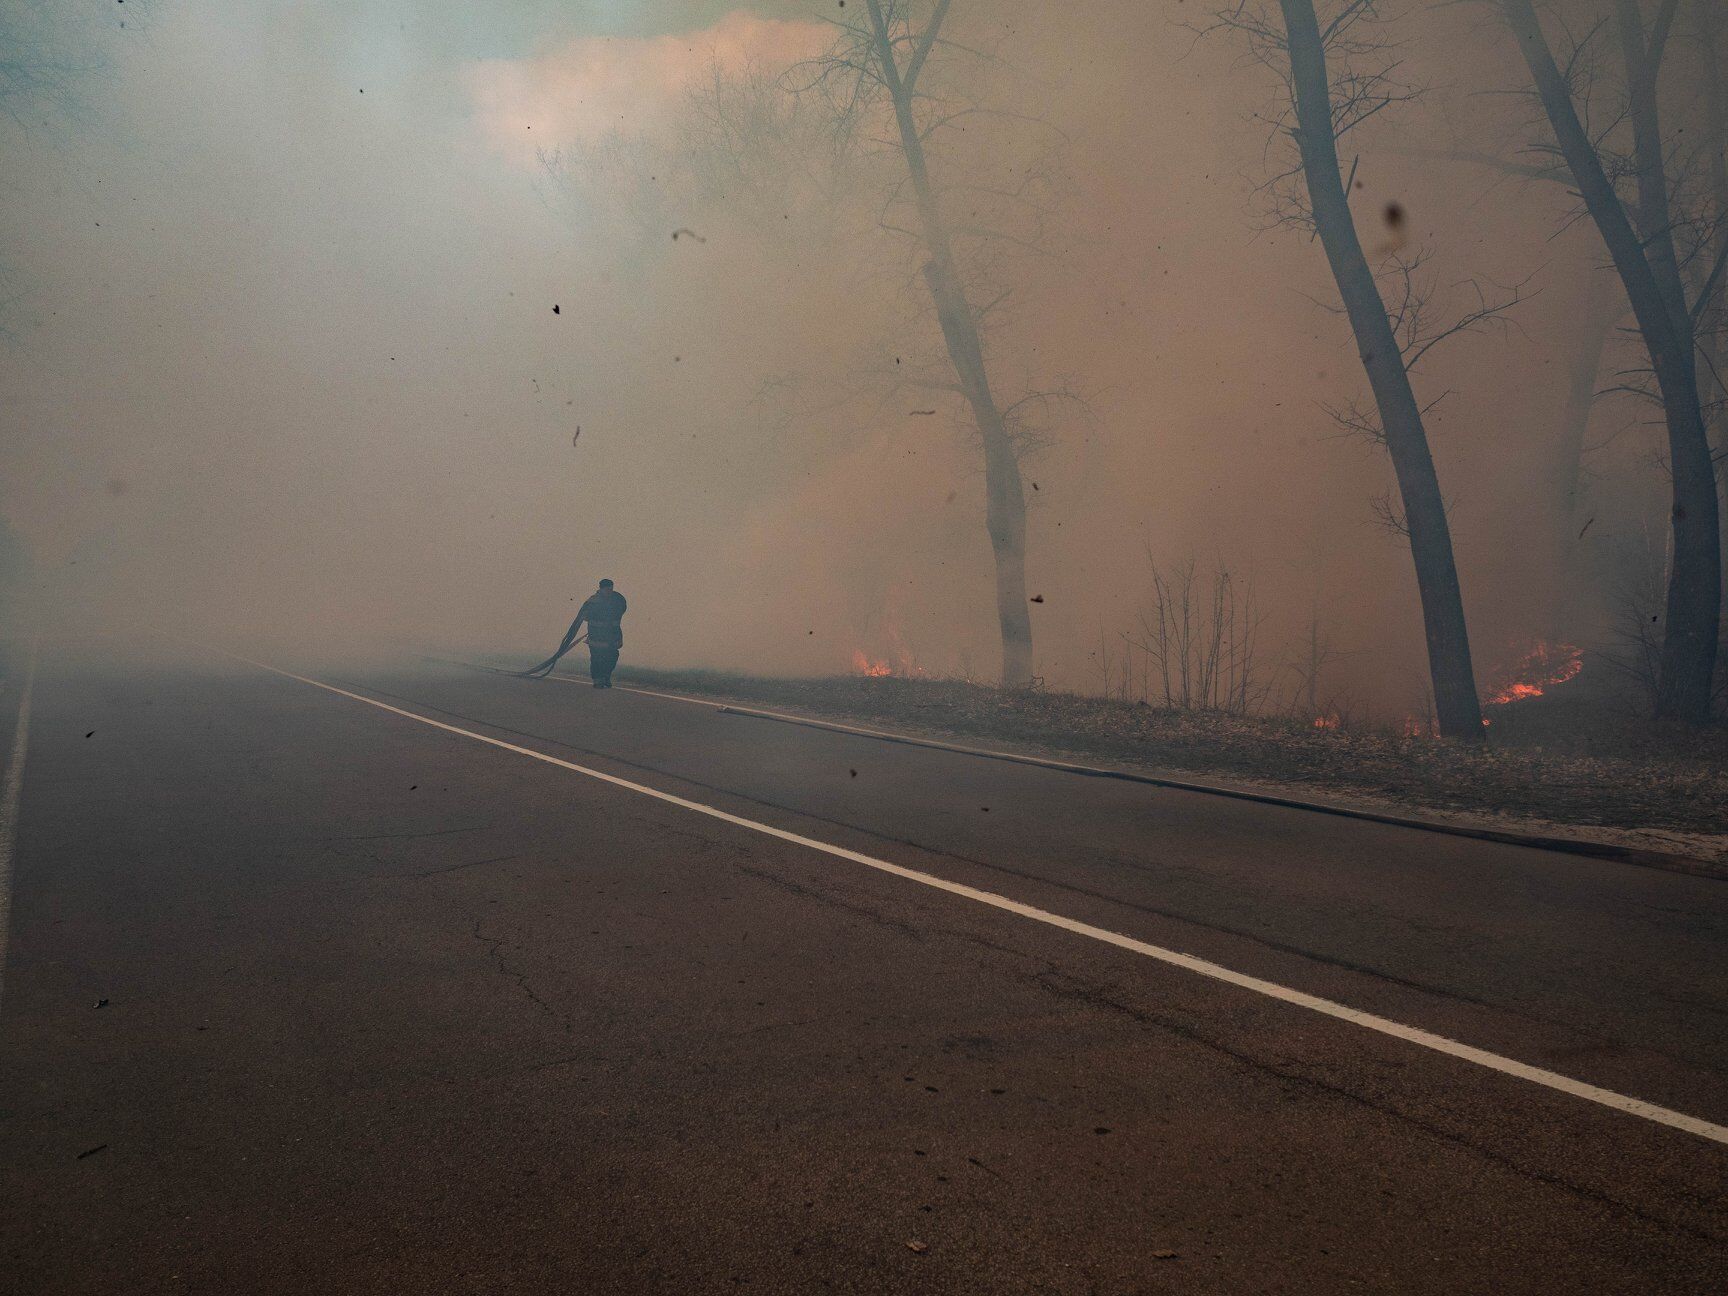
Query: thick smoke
[[312, 347]]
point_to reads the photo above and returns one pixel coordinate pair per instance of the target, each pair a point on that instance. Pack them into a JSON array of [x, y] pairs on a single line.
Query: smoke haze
[[284, 360]]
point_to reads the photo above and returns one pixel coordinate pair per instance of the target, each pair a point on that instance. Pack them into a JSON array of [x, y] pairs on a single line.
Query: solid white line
[[672, 697], [1202, 967], [915, 740], [910, 740], [10, 792]]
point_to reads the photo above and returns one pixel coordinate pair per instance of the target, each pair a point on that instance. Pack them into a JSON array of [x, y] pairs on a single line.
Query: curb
[[1670, 862]]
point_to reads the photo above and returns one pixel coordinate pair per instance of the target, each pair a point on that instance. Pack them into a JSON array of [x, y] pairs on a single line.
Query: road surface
[[451, 982]]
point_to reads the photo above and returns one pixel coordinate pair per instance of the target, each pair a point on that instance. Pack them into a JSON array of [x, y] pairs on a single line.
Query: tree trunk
[[1458, 708], [1005, 493], [1584, 366], [1716, 149], [1689, 640]]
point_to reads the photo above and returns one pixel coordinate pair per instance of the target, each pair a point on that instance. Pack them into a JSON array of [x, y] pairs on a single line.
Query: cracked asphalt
[[303, 996]]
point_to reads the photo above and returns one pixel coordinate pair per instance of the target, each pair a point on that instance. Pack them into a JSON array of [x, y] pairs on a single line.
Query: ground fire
[[1540, 668], [875, 667]]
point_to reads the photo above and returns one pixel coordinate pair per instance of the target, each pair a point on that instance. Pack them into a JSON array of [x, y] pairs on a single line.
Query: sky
[[282, 363]]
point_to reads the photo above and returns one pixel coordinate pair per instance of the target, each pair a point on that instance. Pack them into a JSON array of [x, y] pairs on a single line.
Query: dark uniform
[[604, 613]]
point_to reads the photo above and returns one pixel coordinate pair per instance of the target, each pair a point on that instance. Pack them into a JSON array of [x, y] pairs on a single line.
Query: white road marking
[[911, 740], [1188, 962], [10, 792], [1588, 847], [672, 697]]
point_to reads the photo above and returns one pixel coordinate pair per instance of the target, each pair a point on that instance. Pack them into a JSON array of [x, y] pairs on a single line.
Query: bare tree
[[1602, 311], [1712, 318], [1310, 670], [1641, 239], [887, 53], [1325, 104], [878, 143], [1200, 639], [1585, 350]]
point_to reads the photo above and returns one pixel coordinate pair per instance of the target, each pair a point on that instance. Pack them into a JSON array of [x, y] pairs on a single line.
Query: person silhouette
[[603, 613]]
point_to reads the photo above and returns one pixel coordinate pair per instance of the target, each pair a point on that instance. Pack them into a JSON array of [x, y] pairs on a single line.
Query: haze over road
[[305, 994]]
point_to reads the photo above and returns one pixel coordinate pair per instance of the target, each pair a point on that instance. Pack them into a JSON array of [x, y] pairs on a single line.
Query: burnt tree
[[891, 55], [1641, 243], [1326, 103]]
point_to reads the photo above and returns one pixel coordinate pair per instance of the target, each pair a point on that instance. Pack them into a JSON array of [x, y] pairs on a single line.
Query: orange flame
[[1326, 722], [875, 668], [1540, 668], [897, 659], [1411, 727]]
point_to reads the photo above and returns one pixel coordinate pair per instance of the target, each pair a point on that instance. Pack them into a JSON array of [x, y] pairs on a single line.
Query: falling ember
[[1542, 666]]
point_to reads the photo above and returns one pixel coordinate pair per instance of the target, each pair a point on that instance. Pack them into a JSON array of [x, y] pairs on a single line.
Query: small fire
[[875, 668], [1326, 722], [1541, 666], [1412, 727], [897, 660]]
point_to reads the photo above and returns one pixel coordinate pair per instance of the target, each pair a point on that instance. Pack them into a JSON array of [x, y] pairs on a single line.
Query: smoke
[[287, 363]]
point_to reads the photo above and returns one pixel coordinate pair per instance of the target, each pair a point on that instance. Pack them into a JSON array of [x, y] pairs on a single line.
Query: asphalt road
[[306, 995]]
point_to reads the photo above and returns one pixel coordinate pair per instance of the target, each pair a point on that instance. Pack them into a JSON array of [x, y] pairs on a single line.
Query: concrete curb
[[1670, 862], [1667, 861]]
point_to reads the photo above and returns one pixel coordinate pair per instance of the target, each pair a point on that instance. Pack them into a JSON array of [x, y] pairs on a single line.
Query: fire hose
[[545, 668]]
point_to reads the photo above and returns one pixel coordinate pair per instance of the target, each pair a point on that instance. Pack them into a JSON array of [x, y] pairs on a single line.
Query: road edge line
[[1552, 1080], [1584, 847], [1667, 861]]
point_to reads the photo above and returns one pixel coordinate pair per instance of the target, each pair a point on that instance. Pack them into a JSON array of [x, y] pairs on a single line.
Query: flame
[[875, 668], [1326, 722], [897, 658], [1412, 727], [1541, 666]]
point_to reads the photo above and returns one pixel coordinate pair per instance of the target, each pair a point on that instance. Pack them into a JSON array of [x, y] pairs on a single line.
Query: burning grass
[[1563, 763], [1541, 667]]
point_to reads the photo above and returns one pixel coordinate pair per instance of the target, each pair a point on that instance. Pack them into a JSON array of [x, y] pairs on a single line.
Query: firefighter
[[604, 613]]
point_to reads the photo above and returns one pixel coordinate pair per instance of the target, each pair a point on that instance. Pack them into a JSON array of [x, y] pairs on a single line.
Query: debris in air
[[1037, 598], [688, 233], [917, 1247], [921, 412], [100, 1147], [101, 1003], [554, 308], [1396, 222]]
